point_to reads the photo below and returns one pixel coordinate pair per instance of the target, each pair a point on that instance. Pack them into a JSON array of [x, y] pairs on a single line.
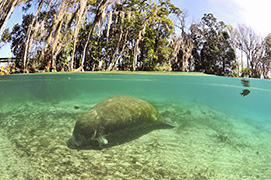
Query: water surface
[[219, 134]]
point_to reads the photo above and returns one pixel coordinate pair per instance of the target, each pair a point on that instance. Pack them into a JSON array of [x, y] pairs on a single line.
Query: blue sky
[[256, 14], [197, 8], [16, 17]]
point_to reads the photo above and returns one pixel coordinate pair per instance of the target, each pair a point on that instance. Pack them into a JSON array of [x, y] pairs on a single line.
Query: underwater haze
[[222, 127]]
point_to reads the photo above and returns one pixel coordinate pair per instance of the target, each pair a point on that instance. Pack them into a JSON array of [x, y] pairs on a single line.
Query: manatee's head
[[76, 141], [81, 139]]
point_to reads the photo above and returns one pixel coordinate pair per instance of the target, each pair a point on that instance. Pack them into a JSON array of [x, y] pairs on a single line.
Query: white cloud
[[255, 14]]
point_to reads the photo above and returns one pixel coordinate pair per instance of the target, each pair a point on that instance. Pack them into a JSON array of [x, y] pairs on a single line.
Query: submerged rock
[[115, 119]]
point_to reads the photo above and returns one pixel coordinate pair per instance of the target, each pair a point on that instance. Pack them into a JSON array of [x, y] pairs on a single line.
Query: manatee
[[114, 116]]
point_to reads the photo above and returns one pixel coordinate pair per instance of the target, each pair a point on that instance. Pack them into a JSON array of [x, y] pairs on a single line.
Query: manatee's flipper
[[101, 139]]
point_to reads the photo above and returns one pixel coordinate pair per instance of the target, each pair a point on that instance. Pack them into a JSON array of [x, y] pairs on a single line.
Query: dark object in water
[[245, 83], [113, 121], [76, 107], [245, 92]]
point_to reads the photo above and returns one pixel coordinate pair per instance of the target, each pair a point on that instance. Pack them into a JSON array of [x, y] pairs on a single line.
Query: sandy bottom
[[205, 144]]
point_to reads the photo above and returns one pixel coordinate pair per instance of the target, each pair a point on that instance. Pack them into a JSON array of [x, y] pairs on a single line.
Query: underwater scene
[[220, 127]]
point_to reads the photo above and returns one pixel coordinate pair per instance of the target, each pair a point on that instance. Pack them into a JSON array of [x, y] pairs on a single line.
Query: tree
[[246, 40], [6, 9], [28, 34], [18, 38], [99, 16], [182, 46], [216, 55], [155, 47], [80, 16], [133, 35], [266, 60]]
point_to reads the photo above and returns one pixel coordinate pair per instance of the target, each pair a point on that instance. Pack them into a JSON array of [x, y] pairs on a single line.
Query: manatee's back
[[121, 112]]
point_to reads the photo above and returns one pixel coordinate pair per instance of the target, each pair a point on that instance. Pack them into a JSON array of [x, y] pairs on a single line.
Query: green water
[[219, 134]]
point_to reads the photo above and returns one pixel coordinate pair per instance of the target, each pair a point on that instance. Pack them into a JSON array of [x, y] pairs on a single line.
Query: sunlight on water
[[219, 133]]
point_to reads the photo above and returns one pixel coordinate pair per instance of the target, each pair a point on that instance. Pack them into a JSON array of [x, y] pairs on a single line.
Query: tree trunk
[[136, 52], [123, 48], [108, 25], [118, 44], [187, 52], [81, 16], [55, 43], [176, 46], [86, 45], [136, 48], [2, 5], [55, 29], [100, 15], [28, 34]]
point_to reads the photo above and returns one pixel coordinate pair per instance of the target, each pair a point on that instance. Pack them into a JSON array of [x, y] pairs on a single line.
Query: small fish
[[76, 107], [245, 92]]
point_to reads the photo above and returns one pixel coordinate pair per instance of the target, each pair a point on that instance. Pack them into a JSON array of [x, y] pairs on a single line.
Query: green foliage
[[245, 72], [145, 21], [62, 58], [117, 48], [215, 53], [5, 35], [17, 38]]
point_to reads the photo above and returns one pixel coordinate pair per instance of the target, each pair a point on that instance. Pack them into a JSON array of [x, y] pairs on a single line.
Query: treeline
[[89, 35]]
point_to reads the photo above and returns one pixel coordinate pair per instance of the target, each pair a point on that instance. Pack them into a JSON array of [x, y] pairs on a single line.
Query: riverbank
[[5, 72]]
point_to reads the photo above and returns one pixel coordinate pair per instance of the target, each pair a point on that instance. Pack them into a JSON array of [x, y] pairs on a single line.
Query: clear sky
[[254, 13], [16, 17]]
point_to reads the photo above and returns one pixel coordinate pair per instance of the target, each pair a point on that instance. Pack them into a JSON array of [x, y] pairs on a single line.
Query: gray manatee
[[114, 116]]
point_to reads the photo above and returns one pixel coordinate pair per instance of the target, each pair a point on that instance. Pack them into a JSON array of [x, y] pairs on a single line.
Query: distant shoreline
[[121, 73]]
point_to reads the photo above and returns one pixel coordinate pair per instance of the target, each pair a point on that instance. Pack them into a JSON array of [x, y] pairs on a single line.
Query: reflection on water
[[245, 82], [218, 133]]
